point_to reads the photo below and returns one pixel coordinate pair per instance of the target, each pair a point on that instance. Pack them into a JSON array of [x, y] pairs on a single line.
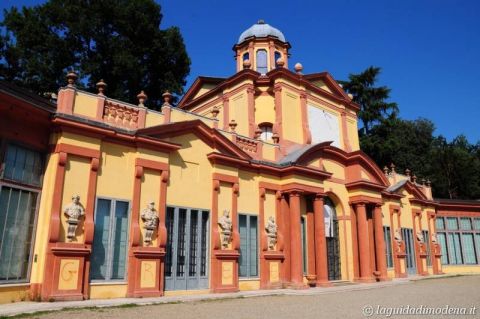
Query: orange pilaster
[[295, 242], [380, 244], [321, 263], [363, 243]]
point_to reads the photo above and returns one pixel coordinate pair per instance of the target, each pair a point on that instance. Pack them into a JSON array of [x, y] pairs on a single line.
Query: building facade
[[255, 181]]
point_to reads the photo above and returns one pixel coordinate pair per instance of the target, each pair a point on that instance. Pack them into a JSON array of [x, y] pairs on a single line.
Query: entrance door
[[407, 234], [333, 244], [187, 249]]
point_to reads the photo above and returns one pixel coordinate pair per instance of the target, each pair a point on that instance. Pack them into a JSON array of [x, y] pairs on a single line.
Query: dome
[[261, 30]]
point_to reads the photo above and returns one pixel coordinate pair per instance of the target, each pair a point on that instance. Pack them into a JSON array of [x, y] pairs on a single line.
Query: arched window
[[278, 55], [261, 61], [246, 56], [267, 133]]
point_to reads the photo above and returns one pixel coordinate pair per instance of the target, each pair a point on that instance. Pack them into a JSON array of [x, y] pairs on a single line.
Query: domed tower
[[261, 48]]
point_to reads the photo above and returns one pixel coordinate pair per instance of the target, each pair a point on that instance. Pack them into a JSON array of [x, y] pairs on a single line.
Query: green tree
[[119, 41], [405, 143], [455, 168], [372, 99]]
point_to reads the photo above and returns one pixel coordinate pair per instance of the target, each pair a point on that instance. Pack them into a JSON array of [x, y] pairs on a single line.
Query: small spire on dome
[[261, 21]]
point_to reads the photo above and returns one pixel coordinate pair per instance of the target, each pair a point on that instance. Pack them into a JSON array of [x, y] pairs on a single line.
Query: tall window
[[18, 205], [246, 56], [262, 62], [248, 229], [110, 240], [267, 133], [459, 239], [303, 229], [426, 238], [388, 246]]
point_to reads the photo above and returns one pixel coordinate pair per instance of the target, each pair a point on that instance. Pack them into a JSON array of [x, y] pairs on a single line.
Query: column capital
[[294, 193], [319, 197]]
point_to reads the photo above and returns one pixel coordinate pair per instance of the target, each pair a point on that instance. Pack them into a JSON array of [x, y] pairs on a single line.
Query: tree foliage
[[372, 99], [119, 41], [453, 167], [405, 143]]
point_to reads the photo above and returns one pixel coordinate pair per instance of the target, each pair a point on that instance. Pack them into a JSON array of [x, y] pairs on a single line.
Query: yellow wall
[[264, 109], [248, 195], [153, 118], [14, 293], [115, 176], [85, 105], [100, 291], [190, 170], [239, 113], [291, 114], [76, 183], [43, 222]]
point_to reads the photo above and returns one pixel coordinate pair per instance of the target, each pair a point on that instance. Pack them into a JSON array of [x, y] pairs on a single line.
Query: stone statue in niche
[[225, 223], [398, 240], [74, 211], [420, 238], [434, 238], [272, 230], [150, 221]]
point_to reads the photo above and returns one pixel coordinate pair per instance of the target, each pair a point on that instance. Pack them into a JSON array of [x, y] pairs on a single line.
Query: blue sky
[[429, 50]]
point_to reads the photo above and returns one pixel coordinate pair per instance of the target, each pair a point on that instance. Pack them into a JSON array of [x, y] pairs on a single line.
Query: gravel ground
[[447, 292]]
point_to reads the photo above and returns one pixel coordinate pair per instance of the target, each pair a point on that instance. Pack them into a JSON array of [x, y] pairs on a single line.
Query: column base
[[384, 279], [297, 285], [365, 280], [324, 284]]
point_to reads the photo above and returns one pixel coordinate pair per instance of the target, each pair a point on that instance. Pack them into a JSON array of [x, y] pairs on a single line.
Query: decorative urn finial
[[101, 86], [298, 68], [71, 78], [167, 97], [142, 97], [233, 125]]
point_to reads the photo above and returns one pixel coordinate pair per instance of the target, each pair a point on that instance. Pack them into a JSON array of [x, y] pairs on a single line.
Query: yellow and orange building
[[255, 181]]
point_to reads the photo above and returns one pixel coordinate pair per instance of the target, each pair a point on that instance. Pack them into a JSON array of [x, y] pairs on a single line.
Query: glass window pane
[[243, 259], [193, 258], [477, 244], [101, 233], [22, 165], [253, 232], [426, 238], [181, 253], [304, 244], [203, 264], [120, 240], [443, 245], [169, 224], [476, 223], [440, 223], [468, 249], [465, 223], [388, 246], [261, 61], [452, 223], [17, 216]]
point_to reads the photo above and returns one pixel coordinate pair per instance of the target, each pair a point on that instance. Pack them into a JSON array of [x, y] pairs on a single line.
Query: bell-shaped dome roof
[[261, 30]]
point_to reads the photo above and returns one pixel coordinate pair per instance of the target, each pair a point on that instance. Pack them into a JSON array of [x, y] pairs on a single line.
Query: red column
[[321, 265], [380, 243], [285, 207], [363, 243], [295, 242]]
